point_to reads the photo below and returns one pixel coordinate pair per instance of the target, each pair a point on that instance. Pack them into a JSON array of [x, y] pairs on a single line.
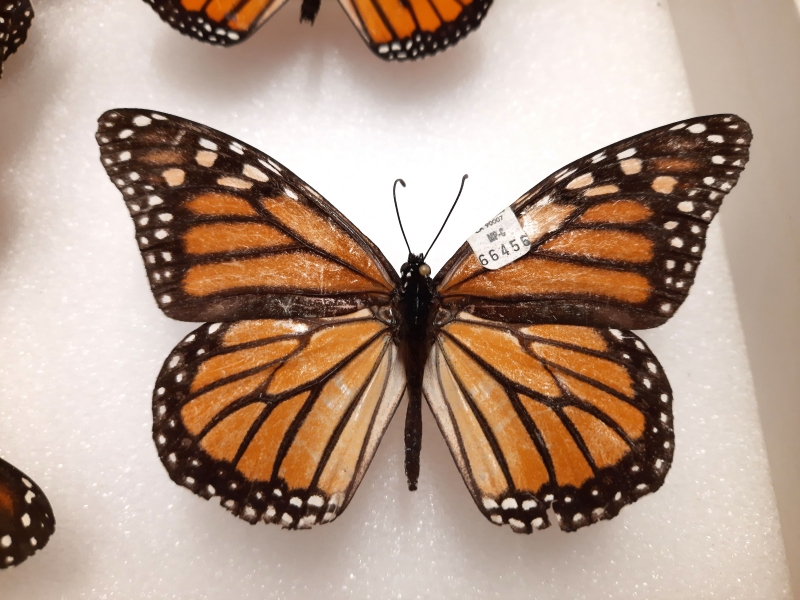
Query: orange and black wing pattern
[[545, 397], [615, 237], [26, 519], [219, 22], [393, 29], [15, 19], [228, 233], [577, 419], [409, 29], [279, 418]]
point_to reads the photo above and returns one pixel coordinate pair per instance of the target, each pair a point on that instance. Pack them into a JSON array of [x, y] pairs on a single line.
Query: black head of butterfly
[[393, 31], [545, 397], [26, 518]]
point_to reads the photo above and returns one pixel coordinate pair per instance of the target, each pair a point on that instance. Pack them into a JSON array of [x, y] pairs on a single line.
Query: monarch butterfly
[[15, 19], [544, 396], [393, 29], [26, 519]]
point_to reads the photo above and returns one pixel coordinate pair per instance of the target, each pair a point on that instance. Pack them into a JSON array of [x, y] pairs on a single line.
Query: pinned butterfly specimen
[[26, 519], [15, 19], [393, 29], [545, 397]]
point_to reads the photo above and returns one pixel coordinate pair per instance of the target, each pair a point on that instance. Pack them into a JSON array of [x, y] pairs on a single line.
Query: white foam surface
[[81, 340]]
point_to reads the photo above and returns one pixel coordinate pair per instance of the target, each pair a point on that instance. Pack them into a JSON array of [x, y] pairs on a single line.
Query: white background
[[81, 340]]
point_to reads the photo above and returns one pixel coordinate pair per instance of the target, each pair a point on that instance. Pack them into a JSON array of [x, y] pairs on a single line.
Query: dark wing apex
[[228, 233], [15, 19], [617, 236], [402, 30], [217, 22], [26, 518], [678, 145]]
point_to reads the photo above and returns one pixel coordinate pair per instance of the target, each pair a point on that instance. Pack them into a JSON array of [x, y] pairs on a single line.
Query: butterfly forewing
[[616, 237], [278, 417], [577, 418], [26, 518], [227, 233], [15, 19]]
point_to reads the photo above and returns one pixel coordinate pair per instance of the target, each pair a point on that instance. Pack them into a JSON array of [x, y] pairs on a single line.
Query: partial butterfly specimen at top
[[26, 519], [545, 397], [15, 19], [393, 29]]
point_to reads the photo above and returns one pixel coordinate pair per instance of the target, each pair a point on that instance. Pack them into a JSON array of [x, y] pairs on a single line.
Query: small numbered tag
[[500, 242]]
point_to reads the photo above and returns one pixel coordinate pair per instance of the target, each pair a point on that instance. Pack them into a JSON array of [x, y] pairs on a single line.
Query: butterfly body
[[309, 10], [544, 396], [414, 338]]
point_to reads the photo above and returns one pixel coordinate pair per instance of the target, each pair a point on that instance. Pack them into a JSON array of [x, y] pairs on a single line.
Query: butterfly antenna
[[397, 210], [461, 189]]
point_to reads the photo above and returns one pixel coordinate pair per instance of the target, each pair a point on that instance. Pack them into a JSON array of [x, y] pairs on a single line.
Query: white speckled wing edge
[[26, 517], [422, 41], [199, 25], [15, 20]]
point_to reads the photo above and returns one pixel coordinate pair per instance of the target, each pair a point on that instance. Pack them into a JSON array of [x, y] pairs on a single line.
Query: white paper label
[[500, 242]]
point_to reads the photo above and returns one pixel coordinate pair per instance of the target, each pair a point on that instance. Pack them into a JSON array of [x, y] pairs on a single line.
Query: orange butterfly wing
[[544, 396], [279, 418], [15, 19], [279, 408], [26, 518], [536, 416], [227, 233], [393, 29], [409, 29], [219, 22], [616, 237]]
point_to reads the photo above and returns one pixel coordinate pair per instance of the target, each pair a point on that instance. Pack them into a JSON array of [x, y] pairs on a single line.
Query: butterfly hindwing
[[536, 416], [219, 22], [409, 29], [616, 237], [15, 19], [26, 518], [227, 233], [393, 29], [278, 417]]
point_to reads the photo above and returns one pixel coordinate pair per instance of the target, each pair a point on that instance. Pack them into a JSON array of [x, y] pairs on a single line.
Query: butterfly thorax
[[415, 308]]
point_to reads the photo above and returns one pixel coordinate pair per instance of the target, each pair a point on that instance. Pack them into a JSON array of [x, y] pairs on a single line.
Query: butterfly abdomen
[[309, 10]]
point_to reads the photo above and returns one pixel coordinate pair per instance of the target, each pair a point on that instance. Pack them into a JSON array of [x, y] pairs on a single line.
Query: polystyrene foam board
[[81, 340]]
